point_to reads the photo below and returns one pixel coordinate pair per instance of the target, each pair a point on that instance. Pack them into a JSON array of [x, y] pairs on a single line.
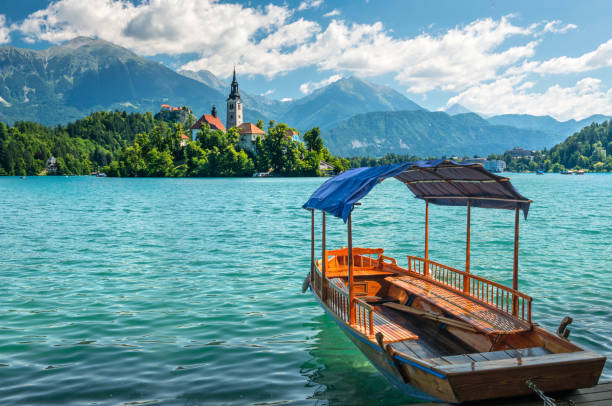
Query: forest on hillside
[[122, 144], [589, 149]]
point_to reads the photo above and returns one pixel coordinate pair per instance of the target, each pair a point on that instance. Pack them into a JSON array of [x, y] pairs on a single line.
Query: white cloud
[[306, 4], [286, 99], [268, 92], [4, 30], [265, 41], [308, 87], [557, 27], [599, 58], [510, 95], [477, 58], [157, 26], [333, 13]]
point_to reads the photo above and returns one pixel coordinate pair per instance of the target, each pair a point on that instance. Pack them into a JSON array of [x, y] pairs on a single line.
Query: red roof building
[[250, 128], [248, 135], [211, 119]]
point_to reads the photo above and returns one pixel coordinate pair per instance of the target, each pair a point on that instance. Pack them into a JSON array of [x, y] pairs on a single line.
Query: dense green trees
[[589, 149], [122, 144], [215, 153], [79, 147], [25, 148]]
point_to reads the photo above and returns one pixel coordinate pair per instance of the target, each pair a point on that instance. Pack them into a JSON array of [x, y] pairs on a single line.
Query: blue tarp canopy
[[438, 181]]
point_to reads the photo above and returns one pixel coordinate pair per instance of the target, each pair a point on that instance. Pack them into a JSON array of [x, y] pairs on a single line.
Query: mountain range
[[428, 134], [67, 82]]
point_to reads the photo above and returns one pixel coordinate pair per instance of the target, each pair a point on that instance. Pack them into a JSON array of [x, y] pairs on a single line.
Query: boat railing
[[337, 299], [363, 317], [491, 293]]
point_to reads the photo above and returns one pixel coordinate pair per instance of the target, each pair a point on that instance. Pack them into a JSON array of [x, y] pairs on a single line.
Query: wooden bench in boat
[[337, 265], [392, 332], [483, 318]]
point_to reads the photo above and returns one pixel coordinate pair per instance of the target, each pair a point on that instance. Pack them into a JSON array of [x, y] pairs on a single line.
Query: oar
[[431, 316]]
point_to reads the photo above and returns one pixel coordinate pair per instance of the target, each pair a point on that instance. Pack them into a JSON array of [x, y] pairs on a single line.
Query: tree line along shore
[[140, 145]]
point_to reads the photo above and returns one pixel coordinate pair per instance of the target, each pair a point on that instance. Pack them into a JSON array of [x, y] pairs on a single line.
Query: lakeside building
[[293, 135], [494, 165], [248, 136], [248, 131], [491, 165], [518, 153], [211, 119]]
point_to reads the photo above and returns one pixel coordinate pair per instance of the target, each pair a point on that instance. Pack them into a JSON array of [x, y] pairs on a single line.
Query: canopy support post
[[515, 262], [312, 245], [324, 260], [350, 272], [466, 280], [426, 237]]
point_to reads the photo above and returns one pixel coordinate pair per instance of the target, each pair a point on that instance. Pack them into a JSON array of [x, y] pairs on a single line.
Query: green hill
[[590, 148]]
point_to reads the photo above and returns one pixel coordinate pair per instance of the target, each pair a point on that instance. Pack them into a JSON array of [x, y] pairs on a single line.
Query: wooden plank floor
[[600, 395], [482, 318]]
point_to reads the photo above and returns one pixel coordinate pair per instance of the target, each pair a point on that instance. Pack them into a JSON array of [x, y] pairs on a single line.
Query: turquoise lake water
[[187, 291]]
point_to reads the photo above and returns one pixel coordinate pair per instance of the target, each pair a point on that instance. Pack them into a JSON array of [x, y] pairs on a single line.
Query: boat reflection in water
[[341, 375]]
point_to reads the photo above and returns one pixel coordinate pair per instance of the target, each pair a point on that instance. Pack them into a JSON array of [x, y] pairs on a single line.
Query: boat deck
[[600, 395], [481, 317], [392, 332], [444, 345]]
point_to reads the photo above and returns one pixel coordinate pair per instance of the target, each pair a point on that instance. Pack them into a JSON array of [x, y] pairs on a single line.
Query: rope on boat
[[547, 400], [306, 283], [563, 331]]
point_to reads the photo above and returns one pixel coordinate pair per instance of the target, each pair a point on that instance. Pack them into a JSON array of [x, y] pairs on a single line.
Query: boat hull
[[550, 373], [478, 380]]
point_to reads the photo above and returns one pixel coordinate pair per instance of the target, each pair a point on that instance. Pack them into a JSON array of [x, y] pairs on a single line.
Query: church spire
[[234, 105], [234, 94]]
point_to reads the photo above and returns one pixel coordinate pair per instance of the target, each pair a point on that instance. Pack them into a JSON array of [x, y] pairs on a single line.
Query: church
[[234, 118]]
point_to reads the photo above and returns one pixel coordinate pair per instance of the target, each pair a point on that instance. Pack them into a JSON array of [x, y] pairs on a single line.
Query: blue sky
[[494, 57]]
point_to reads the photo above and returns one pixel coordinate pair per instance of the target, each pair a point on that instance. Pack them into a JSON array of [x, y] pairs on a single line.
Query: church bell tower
[[234, 106]]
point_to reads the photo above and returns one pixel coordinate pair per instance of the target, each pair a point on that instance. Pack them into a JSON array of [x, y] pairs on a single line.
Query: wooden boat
[[436, 332], [580, 172]]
